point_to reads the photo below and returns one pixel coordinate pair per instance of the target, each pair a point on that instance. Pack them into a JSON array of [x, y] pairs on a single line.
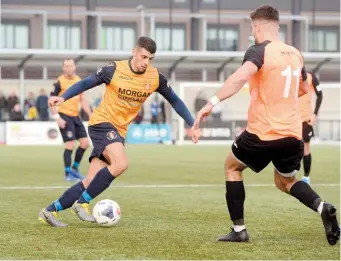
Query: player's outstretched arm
[[236, 81], [178, 105], [252, 62], [231, 86], [104, 75]]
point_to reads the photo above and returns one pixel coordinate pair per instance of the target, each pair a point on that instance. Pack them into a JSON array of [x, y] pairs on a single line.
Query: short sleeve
[[255, 54], [56, 88]]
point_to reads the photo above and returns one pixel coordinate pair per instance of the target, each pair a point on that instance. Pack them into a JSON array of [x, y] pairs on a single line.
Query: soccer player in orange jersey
[[274, 71], [308, 117], [68, 120], [128, 84]]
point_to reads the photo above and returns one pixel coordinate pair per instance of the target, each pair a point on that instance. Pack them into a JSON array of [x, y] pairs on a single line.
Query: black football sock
[[67, 160], [307, 165], [235, 197], [304, 193], [101, 182], [68, 198], [78, 157]]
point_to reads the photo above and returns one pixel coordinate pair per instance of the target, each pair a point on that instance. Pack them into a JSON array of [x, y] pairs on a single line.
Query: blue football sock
[[67, 160], [75, 165], [101, 182], [78, 157], [69, 197]]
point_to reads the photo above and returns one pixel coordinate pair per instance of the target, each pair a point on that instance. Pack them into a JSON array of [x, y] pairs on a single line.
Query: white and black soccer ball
[[107, 213]]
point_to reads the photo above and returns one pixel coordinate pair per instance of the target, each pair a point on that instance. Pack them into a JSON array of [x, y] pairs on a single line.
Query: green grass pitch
[[169, 222]]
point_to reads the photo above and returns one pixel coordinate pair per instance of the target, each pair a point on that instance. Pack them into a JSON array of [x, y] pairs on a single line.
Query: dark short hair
[[69, 59], [265, 12], [147, 43]]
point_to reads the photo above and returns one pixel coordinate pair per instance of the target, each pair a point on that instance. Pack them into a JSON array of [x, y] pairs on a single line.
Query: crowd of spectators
[[36, 108]]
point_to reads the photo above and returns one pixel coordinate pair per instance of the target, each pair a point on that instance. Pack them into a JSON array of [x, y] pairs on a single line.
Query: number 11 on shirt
[[288, 73]]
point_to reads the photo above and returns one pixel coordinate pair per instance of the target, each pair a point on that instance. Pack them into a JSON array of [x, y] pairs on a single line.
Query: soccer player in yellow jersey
[[68, 120], [128, 84]]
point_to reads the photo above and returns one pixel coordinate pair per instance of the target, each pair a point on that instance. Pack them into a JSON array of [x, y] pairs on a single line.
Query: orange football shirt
[[274, 109]]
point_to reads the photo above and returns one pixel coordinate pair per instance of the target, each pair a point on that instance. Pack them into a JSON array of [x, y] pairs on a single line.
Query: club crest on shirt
[[147, 87], [111, 135]]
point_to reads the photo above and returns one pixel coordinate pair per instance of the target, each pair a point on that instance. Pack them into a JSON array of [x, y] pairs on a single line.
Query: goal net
[[229, 118]]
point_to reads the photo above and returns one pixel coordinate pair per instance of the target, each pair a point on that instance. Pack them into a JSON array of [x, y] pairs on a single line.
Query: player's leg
[[69, 138], [82, 137], [247, 151], [287, 163], [67, 157], [108, 146], [306, 162], [48, 215], [308, 133], [118, 163]]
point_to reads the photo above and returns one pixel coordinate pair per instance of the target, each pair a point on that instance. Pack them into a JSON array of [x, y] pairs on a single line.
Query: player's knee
[[84, 143], [279, 183], [232, 173], [69, 145], [306, 148], [233, 169], [284, 183], [118, 167]]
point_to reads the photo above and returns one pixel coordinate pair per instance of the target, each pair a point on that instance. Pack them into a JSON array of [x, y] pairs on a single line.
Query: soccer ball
[[107, 213]]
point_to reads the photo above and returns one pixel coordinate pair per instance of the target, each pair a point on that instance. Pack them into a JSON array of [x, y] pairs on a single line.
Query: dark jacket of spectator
[[11, 101], [3, 101], [16, 114], [3, 105], [42, 106]]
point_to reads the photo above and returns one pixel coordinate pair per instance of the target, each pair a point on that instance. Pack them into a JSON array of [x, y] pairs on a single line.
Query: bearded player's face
[[141, 59], [69, 68]]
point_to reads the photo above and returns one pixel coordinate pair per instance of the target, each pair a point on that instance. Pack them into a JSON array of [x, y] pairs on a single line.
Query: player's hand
[[202, 115], [195, 133], [55, 101], [312, 120], [61, 123]]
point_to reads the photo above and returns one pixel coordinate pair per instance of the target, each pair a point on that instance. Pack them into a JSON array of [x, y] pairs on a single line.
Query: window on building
[[167, 41], [226, 38], [14, 35], [64, 36], [118, 36], [324, 39]]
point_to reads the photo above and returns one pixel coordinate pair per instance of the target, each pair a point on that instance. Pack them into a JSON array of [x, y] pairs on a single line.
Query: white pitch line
[[153, 186]]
